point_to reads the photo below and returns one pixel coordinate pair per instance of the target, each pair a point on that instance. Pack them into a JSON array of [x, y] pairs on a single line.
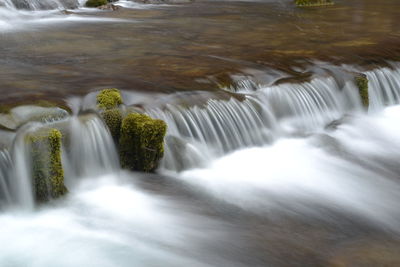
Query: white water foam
[[352, 170]]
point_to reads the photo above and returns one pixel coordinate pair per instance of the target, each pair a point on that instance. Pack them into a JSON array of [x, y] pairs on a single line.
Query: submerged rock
[[310, 3], [47, 170], [141, 142], [361, 81]]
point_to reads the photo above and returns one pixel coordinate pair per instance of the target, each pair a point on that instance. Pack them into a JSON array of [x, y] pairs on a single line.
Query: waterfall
[[266, 114], [384, 87], [256, 116], [222, 126], [5, 166], [90, 150]]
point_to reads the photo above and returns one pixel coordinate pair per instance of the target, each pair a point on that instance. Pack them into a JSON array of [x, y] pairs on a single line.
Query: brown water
[[195, 46]]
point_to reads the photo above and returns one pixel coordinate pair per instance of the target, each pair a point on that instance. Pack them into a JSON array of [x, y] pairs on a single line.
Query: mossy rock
[[141, 142], [109, 98], [361, 81], [113, 119], [96, 3], [313, 3], [47, 170]]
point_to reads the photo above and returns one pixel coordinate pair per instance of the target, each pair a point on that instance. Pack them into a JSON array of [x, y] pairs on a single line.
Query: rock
[[361, 81], [109, 6], [109, 98], [313, 3], [141, 142], [17, 116], [96, 3], [47, 170]]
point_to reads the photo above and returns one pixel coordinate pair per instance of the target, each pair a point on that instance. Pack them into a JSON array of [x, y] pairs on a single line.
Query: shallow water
[[191, 46]]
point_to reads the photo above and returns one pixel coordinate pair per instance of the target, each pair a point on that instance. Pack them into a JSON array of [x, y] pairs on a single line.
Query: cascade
[[200, 133], [90, 150], [384, 87], [5, 166], [266, 114]]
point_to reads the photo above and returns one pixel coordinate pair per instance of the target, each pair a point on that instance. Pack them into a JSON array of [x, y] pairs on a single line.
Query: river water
[[270, 157]]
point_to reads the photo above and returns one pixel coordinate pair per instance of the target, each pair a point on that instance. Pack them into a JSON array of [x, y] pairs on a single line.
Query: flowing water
[[270, 157]]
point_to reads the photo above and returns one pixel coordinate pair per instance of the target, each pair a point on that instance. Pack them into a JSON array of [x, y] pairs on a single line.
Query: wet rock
[[109, 6], [141, 142], [47, 170], [44, 4], [20, 115]]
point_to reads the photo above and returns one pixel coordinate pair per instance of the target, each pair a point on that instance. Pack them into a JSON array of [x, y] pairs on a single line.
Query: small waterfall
[[218, 127], [88, 150], [384, 87], [5, 166], [91, 150], [222, 126], [266, 114], [21, 173]]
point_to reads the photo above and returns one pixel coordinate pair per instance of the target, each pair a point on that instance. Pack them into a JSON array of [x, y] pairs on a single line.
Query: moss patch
[[109, 98], [47, 171], [310, 3], [96, 3], [362, 84], [141, 142], [113, 119]]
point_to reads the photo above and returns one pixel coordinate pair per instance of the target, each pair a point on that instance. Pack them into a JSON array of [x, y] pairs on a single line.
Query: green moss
[[310, 3], [141, 142], [109, 98], [113, 119], [47, 171], [96, 3], [362, 84]]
